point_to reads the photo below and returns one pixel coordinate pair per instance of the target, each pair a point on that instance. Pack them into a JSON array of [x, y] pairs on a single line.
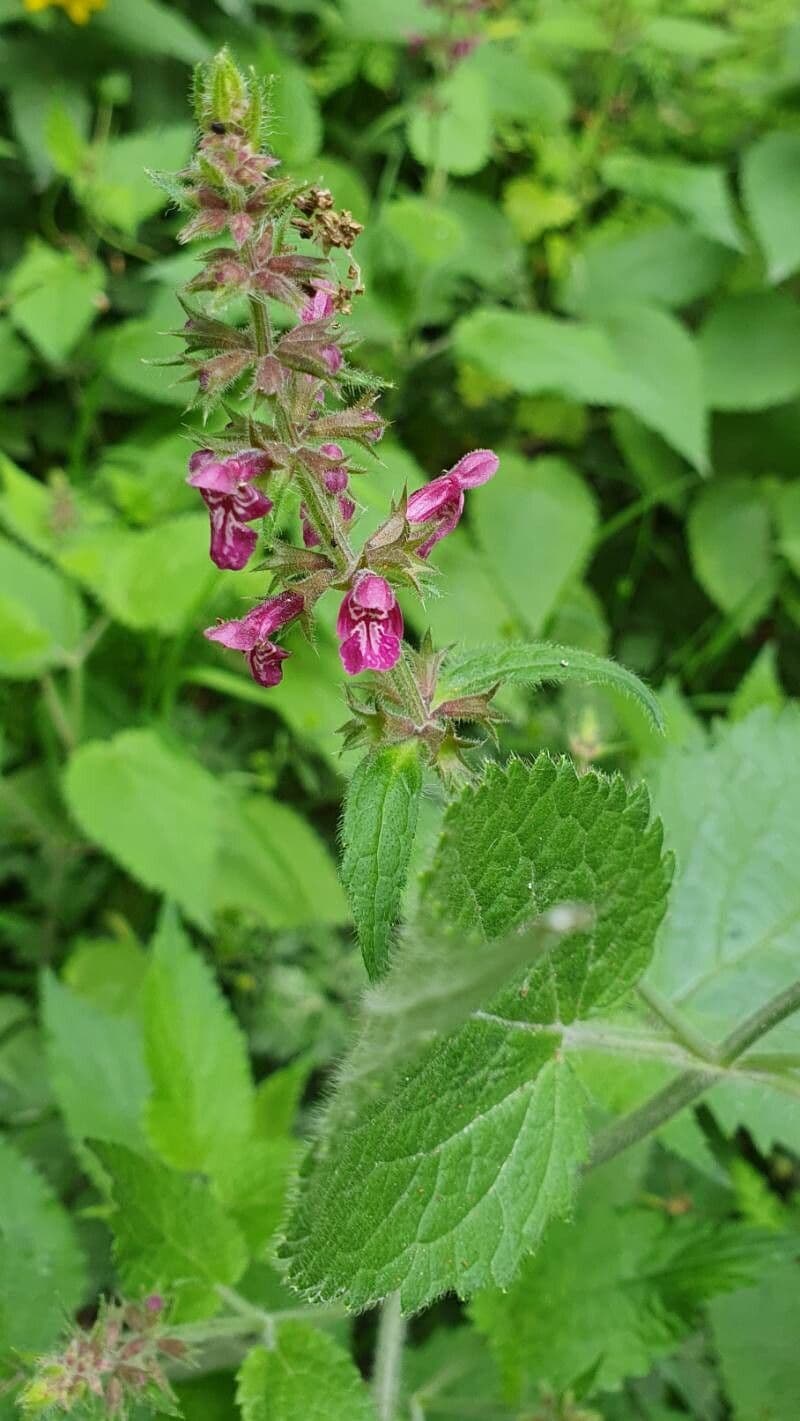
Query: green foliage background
[[589, 260]]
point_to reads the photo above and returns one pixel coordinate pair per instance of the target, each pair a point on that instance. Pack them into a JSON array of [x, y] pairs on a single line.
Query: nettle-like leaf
[[609, 1292], [443, 1173], [731, 812], [378, 827], [533, 836], [305, 1376], [438, 980], [542, 663], [201, 1110], [42, 1272], [170, 1233]]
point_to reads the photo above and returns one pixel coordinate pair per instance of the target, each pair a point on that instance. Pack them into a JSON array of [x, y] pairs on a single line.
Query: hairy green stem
[[681, 1029], [655, 1112], [389, 1358], [692, 1083], [761, 1021], [404, 681]]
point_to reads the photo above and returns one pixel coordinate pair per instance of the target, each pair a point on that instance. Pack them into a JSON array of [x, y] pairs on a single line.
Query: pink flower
[[441, 502], [375, 426], [369, 626], [232, 502], [320, 308], [252, 634]]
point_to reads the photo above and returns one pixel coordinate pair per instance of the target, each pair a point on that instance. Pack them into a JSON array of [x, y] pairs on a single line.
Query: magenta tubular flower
[[319, 308], [232, 502], [253, 633], [441, 502], [369, 626]]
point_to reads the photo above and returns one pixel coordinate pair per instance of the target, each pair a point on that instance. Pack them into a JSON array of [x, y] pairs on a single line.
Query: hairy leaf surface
[[380, 820], [540, 663], [532, 836], [443, 1173]]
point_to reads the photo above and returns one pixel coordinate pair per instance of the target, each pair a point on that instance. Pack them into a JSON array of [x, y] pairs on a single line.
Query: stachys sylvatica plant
[[561, 991]]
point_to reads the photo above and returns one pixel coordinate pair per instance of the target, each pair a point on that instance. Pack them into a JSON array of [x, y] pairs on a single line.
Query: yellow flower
[[79, 11]]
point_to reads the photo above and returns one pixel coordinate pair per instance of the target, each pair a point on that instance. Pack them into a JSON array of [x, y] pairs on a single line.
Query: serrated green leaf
[[42, 1274], [755, 1334], [730, 540], [532, 836], [436, 981], [542, 663], [637, 357], [170, 1234], [771, 190], [750, 348], [153, 809], [443, 1173], [54, 299], [446, 1178], [202, 1107], [699, 191], [378, 826], [304, 1376], [97, 1067], [609, 1292]]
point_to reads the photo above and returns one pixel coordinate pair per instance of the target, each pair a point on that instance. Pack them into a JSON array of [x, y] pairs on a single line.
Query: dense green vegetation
[[581, 249]]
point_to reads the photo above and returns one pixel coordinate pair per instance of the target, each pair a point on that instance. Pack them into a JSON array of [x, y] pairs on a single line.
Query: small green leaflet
[[305, 1376], [541, 663], [170, 1233], [380, 819], [42, 1274], [441, 1174], [201, 1110]]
